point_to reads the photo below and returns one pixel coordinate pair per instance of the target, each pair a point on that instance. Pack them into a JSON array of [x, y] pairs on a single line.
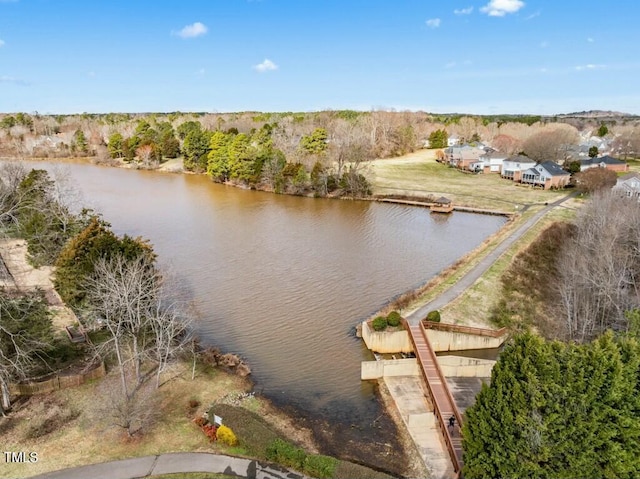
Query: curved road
[[478, 270], [173, 463]]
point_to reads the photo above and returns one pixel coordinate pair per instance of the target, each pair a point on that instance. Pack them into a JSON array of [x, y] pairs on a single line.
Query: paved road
[[478, 270], [181, 462]]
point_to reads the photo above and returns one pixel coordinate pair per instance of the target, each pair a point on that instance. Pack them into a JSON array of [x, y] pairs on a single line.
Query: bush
[[200, 421], [211, 432], [286, 454], [394, 318], [434, 316], [379, 323], [226, 436], [319, 466]]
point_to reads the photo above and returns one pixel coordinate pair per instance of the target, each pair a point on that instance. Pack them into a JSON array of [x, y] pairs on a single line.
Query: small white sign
[[217, 420]]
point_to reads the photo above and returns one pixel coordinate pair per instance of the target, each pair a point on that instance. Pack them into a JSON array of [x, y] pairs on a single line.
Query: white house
[[629, 185]]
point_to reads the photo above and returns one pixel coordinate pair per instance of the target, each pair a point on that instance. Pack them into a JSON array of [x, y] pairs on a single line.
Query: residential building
[[548, 175], [608, 162], [629, 185], [513, 167]]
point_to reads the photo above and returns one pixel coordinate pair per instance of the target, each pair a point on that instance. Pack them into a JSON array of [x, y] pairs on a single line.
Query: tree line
[[151, 138]]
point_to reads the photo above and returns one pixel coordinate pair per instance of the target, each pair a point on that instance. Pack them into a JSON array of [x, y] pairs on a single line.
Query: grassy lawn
[[418, 174], [71, 427], [89, 437]]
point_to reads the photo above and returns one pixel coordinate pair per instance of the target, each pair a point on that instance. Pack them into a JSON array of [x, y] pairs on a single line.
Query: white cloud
[[590, 66], [450, 65], [463, 11], [13, 80], [91, 74], [433, 22], [544, 44], [191, 31], [590, 40], [499, 8], [265, 66], [1, 43], [533, 15]]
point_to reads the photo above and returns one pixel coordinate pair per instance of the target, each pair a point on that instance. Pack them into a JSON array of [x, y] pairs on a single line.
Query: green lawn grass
[[418, 174]]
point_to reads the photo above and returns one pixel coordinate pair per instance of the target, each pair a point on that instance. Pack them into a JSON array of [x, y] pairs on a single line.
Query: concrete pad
[[409, 394], [464, 390]]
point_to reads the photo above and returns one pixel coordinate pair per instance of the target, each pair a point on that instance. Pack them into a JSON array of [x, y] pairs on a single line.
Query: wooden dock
[[444, 405]]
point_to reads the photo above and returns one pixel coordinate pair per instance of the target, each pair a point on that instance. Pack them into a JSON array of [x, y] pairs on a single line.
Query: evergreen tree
[[558, 410]]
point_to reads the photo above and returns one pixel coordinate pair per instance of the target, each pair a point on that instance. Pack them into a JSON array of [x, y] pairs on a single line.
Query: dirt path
[[24, 277]]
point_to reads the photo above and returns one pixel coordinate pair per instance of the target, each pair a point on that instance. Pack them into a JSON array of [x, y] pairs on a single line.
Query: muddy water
[[283, 280]]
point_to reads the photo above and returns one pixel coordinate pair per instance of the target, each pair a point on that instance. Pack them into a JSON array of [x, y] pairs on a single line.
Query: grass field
[[418, 174]]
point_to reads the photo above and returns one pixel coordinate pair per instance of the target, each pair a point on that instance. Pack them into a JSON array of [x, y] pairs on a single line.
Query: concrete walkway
[[478, 270], [417, 414], [180, 462]]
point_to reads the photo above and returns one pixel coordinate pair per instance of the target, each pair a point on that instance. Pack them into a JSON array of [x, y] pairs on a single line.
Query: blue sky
[[484, 57]]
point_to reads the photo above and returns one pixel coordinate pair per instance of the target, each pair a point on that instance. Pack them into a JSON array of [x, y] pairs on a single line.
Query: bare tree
[[11, 197], [551, 143], [146, 329], [21, 347], [600, 266]]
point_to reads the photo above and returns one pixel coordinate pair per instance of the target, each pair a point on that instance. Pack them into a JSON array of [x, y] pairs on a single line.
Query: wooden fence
[[455, 328], [56, 382]]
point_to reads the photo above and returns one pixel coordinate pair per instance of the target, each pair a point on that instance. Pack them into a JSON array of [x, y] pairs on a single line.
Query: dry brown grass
[[419, 175], [89, 438]]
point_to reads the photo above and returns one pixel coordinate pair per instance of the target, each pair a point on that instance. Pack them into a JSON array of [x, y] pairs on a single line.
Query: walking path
[[174, 463], [478, 270]]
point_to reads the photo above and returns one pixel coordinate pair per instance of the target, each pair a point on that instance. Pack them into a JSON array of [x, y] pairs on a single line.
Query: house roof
[[496, 155], [553, 169], [520, 159], [628, 176], [443, 200], [607, 160]]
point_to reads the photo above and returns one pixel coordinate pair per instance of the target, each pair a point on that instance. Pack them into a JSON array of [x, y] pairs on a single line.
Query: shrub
[[226, 436], [434, 316], [200, 421], [286, 454], [319, 466], [394, 318], [211, 432], [379, 323]]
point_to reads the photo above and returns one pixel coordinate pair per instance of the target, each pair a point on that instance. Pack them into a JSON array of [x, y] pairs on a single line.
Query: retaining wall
[[455, 338], [389, 367], [455, 341], [459, 366], [386, 341]]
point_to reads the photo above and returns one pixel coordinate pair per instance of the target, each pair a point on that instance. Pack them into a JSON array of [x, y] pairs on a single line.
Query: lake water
[[284, 280]]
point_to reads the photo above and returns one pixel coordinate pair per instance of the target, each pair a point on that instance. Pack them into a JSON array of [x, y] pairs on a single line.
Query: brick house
[[548, 175], [607, 162]]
